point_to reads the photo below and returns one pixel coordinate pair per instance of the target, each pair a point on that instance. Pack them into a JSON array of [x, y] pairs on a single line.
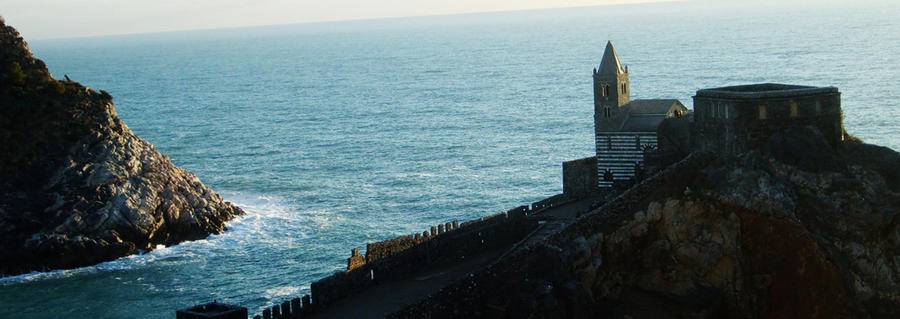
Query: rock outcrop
[[77, 186], [766, 234]]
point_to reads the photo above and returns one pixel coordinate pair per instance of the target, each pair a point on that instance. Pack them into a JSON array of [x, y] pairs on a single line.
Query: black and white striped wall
[[619, 153]]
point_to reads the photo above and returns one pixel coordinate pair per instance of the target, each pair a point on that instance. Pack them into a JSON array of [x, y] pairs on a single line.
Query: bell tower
[[611, 87]]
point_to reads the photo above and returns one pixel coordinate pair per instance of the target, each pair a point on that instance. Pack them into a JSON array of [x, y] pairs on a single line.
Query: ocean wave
[[282, 292], [263, 212]]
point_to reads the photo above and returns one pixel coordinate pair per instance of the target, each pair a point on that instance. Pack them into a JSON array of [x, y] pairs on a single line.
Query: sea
[[334, 135]]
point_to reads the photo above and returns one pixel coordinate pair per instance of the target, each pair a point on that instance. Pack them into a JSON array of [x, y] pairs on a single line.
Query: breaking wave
[[263, 212]]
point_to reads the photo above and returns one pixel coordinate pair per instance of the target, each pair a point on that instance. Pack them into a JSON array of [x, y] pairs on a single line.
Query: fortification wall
[[580, 176], [667, 182], [444, 243], [468, 295], [389, 259], [735, 124]]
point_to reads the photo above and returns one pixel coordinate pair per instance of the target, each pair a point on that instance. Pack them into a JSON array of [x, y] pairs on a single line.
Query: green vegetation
[[14, 75], [40, 117]]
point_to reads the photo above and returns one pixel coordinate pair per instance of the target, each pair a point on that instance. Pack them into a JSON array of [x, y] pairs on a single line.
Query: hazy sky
[[40, 19]]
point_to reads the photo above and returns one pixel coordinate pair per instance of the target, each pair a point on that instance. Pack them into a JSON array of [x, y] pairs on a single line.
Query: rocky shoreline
[[758, 235], [77, 186], [812, 233], [796, 228]]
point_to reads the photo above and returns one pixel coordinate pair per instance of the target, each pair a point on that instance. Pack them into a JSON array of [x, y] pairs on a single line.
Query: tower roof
[[610, 63]]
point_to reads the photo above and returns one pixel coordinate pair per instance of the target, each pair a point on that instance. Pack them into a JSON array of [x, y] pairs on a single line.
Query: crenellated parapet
[[443, 244]]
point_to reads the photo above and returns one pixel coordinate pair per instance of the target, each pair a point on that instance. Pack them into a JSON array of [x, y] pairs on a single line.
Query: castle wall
[[444, 243], [602, 219], [580, 176], [398, 257], [630, 201], [732, 123]]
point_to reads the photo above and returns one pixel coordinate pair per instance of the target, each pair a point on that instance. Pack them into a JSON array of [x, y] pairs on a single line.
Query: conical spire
[[610, 63]]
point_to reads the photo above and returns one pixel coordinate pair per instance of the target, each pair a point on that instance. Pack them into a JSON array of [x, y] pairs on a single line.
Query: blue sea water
[[332, 135]]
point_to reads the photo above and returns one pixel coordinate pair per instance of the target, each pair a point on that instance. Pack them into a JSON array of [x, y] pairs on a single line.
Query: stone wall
[[540, 279], [444, 243], [738, 243], [580, 176], [450, 242], [393, 258], [733, 120], [550, 202], [664, 183]]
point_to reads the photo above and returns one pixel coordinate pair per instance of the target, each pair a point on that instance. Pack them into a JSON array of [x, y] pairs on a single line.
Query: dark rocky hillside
[[796, 229], [77, 187]]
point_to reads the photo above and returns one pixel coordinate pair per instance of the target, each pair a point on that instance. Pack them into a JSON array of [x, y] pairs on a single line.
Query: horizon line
[[373, 19]]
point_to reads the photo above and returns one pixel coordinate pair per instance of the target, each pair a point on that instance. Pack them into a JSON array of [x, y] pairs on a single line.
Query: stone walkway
[[386, 298], [554, 220], [380, 300]]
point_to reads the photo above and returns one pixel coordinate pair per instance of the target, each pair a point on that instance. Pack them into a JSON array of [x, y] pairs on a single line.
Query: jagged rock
[[78, 186], [802, 147], [758, 237]]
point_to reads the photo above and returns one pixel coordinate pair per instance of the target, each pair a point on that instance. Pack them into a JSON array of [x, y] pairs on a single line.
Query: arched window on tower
[[605, 90], [608, 111]]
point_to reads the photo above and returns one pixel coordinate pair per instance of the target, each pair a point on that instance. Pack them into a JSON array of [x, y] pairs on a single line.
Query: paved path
[[569, 211], [554, 220], [380, 300], [377, 301]]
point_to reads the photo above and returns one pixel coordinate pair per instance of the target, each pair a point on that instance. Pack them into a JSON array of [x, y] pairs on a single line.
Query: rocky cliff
[[77, 186], [796, 229]]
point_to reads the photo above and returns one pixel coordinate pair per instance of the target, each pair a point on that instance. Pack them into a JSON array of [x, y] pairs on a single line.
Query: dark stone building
[[636, 137], [580, 176], [624, 129], [734, 119]]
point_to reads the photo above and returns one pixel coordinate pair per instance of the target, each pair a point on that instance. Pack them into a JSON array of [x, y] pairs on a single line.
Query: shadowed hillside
[[77, 187]]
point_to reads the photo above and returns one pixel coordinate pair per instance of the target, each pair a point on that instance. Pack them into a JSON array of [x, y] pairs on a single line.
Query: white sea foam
[[414, 175], [262, 211], [282, 292]]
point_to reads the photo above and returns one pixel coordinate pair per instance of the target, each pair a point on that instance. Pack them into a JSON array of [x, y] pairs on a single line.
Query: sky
[[46, 19]]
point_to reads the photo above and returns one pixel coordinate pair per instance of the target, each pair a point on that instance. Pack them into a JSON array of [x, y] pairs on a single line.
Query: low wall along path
[[450, 246]]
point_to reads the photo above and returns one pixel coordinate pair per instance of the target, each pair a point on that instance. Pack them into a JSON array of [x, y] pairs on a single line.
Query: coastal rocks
[[755, 237], [78, 186], [700, 258], [803, 147], [763, 238], [685, 252]]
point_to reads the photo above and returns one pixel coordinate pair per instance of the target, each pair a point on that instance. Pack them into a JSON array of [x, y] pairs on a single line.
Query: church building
[[624, 128]]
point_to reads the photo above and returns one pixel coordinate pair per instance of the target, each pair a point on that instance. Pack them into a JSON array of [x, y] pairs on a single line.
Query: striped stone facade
[[624, 128], [620, 153]]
